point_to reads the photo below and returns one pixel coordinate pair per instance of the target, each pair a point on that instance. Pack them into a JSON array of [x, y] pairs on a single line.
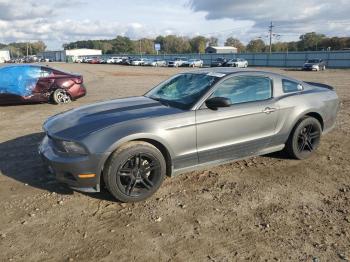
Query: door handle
[[269, 110]]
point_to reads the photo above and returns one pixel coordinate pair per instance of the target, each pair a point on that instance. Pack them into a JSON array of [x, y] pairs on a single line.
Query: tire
[[304, 138], [60, 96], [126, 174]]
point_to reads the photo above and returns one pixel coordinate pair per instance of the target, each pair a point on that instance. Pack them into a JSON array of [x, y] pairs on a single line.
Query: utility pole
[[140, 48], [270, 33], [27, 49]]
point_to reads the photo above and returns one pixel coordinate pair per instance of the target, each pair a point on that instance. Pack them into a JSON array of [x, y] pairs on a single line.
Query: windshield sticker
[[216, 74]]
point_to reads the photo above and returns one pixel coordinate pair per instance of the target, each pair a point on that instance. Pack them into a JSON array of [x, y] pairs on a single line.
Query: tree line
[[21, 49], [172, 44]]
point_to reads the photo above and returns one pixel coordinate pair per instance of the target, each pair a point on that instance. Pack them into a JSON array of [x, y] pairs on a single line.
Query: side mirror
[[216, 102]]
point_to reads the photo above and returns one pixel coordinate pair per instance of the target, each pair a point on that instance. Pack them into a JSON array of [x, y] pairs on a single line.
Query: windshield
[[313, 61], [183, 90]]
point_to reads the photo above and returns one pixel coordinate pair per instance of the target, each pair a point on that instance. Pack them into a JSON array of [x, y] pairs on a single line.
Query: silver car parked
[[154, 62], [193, 63], [192, 120]]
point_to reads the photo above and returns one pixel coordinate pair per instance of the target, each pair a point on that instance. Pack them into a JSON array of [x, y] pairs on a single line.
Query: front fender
[[140, 136], [133, 137]]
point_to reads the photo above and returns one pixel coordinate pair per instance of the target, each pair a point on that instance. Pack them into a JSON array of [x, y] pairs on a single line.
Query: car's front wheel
[[305, 138], [134, 172]]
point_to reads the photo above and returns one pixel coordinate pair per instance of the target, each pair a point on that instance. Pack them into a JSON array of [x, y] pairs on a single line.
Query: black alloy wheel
[[138, 175], [305, 138], [308, 138], [134, 171]]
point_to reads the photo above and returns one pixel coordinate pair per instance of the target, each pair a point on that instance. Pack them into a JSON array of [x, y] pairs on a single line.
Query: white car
[[194, 63], [237, 62], [138, 61], [87, 60], [178, 61], [114, 60], [78, 60]]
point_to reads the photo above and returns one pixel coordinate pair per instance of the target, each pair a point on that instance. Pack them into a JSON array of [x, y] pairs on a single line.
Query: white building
[[4, 56], [69, 55], [220, 49]]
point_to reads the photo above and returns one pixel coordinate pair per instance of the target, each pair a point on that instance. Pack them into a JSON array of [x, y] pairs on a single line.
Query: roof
[[225, 70], [233, 70]]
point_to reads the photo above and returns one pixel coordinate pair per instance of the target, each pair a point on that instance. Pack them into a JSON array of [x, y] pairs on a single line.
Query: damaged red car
[[38, 84]]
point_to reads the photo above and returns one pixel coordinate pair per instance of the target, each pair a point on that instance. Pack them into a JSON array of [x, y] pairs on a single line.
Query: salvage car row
[[136, 61], [176, 62]]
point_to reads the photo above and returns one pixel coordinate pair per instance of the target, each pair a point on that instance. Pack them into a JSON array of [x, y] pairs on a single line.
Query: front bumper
[[67, 169], [310, 68]]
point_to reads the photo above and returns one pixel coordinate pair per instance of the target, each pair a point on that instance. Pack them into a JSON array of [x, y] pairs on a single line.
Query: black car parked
[[126, 60], [219, 62]]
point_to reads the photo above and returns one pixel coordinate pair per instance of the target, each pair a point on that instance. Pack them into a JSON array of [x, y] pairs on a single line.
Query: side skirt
[[225, 161]]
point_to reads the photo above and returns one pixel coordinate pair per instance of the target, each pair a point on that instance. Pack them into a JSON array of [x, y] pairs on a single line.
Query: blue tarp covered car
[[36, 83]]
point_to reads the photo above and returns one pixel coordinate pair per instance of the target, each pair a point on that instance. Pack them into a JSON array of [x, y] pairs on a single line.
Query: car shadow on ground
[[278, 155], [20, 160], [292, 69]]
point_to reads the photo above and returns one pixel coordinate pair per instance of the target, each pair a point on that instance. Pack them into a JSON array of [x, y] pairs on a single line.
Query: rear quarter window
[[289, 86]]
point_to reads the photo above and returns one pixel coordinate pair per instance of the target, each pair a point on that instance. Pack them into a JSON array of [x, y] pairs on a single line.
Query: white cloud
[[291, 16], [60, 21]]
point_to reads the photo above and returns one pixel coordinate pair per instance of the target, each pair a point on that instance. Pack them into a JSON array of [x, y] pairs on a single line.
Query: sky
[[61, 21]]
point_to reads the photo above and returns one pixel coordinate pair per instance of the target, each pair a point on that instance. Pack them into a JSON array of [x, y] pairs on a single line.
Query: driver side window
[[242, 89]]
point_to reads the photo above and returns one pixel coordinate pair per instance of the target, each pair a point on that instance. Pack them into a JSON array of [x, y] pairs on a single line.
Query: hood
[[310, 64], [82, 121]]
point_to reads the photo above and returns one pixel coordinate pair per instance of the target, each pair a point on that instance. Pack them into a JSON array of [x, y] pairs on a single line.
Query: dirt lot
[[262, 209]]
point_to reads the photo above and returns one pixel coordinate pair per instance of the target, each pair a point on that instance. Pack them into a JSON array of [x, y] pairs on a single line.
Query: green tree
[[146, 45], [122, 44], [310, 41], [235, 43], [198, 44], [292, 46], [256, 45], [279, 47], [176, 44]]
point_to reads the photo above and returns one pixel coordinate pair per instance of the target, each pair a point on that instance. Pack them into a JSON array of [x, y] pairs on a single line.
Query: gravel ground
[[260, 209]]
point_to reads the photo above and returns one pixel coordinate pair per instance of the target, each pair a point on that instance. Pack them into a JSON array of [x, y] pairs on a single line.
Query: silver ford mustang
[[192, 120]]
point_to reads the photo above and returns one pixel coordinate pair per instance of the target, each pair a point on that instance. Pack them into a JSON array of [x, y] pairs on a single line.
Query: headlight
[[69, 147]]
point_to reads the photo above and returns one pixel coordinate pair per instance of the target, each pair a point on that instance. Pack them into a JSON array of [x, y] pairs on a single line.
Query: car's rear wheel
[[305, 138], [134, 172], [60, 96]]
